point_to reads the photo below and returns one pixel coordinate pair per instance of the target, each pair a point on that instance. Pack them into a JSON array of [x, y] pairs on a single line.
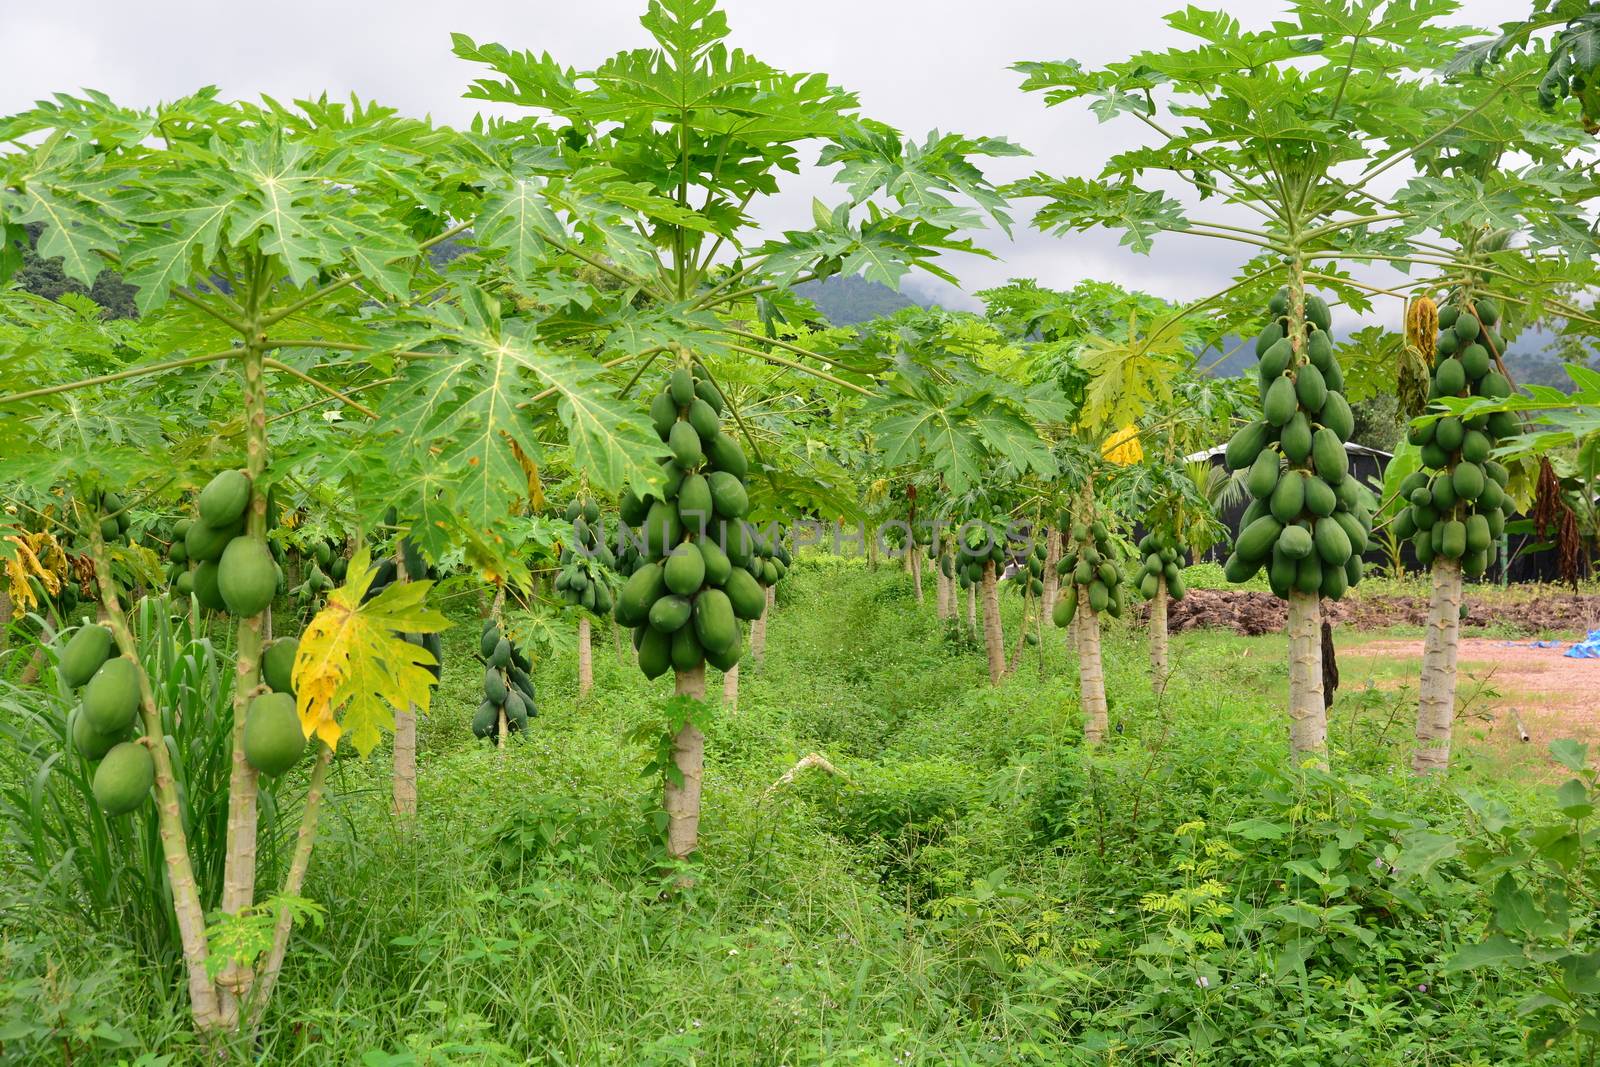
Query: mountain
[[846, 300]]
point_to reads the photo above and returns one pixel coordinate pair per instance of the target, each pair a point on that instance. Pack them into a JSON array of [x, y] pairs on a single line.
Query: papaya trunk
[[404, 779], [1022, 636], [293, 882], [1437, 708], [1308, 716], [942, 585], [1091, 676], [758, 640], [993, 635], [1158, 636], [616, 641], [916, 571], [203, 995], [730, 689], [239, 867], [585, 657], [6, 611], [682, 799], [972, 611]]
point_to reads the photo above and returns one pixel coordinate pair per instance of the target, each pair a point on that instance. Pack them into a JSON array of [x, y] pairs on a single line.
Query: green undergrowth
[[967, 885]]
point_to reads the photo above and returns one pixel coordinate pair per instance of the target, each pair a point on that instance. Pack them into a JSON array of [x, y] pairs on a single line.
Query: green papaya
[[1296, 440], [1279, 303], [684, 650], [1238, 570], [1334, 582], [1269, 336], [1449, 378], [685, 445], [745, 594], [669, 613], [685, 570], [1488, 311], [1434, 456], [1275, 361], [122, 781], [1494, 386], [1288, 500], [1278, 405], [655, 653], [1467, 328], [1453, 542], [724, 454], [1475, 362], [88, 650], [1353, 530], [705, 422], [1066, 606], [1468, 480], [1177, 588], [1329, 457], [1496, 518], [1502, 424], [1310, 388], [662, 530], [1256, 540], [714, 622], [273, 738], [247, 577], [1424, 517], [1447, 345], [1477, 532], [205, 543], [708, 392], [111, 697], [224, 499], [1448, 433], [1244, 447], [717, 564], [1296, 542], [728, 496], [663, 414], [681, 386], [88, 742], [277, 664], [485, 720], [1331, 542], [1099, 596], [1308, 574], [1321, 500], [1319, 349], [1444, 492], [1337, 416], [642, 589], [500, 658], [494, 686], [1317, 312], [185, 583]]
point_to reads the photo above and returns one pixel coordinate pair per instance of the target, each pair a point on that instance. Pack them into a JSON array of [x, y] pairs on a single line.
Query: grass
[[974, 889]]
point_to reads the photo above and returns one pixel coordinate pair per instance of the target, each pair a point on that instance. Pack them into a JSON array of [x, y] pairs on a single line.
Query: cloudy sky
[[918, 64]]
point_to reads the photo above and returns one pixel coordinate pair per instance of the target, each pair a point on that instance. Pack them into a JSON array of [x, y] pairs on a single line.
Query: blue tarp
[[1588, 648]]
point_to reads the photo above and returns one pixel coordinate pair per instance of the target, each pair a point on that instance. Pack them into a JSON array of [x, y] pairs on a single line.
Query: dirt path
[[1540, 609], [1500, 681]]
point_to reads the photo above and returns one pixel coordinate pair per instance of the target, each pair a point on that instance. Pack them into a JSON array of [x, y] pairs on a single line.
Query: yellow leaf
[[353, 666], [1123, 447], [26, 563]]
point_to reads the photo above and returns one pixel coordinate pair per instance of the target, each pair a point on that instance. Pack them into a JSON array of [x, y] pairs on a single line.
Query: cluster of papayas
[[507, 685], [978, 549], [696, 566], [1033, 584], [328, 567], [583, 581], [100, 728], [1090, 572], [418, 567], [115, 522], [1160, 556], [233, 571], [1309, 520], [1458, 503]]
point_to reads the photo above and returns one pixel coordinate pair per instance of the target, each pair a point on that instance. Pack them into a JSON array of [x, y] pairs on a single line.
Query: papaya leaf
[[353, 666]]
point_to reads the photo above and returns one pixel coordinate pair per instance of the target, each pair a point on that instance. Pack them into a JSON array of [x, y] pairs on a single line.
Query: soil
[[1255, 613], [1516, 688]]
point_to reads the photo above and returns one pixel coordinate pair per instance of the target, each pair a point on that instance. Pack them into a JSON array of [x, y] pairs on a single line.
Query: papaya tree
[[236, 220], [1288, 132]]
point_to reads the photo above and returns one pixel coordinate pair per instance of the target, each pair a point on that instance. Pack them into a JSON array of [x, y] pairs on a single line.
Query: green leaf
[[1497, 951]]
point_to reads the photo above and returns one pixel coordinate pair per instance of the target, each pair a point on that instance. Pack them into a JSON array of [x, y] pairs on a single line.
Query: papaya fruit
[[708, 392], [1477, 532], [1475, 362], [1494, 386], [1502, 424], [1353, 530], [1488, 310], [1496, 518], [277, 664], [745, 595], [88, 650], [705, 422], [1317, 312], [663, 414], [122, 781], [205, 543], [662, 530], [1288, 499], [273, 738], [1453, 542], [642, 589], [1467, 328], [1270, 335], [247, 577], [680, 386], [1444, 492], [717, 564], [1066, 606], [1238, 570], [684, 650], [631, 509], [111, 697], [485, 720], [185, 583], [1256, 540], [684, 570], [494, 686], [1243, 447], [1337, 416], [1446, 345], [1333, 374], [671, 612], [1320, 499], [1334, 582], [1310, 388], [1332, 462], [714, 622], [1433, 456], [1319, 350], [1280, 573], [1296, 542], [724, 454], [685, 445], [1177, 588], [224, 499], [1275, 361], [1278, 304], [1424, 517], [1468, 480], [88, 742], [500, 658], [1332, 542], [1449, 377], [1099, 596], [1295, 439], [1448, 433], [1475, 447], [655, 652], [1278, 405], [727, 658], [1308, 574]]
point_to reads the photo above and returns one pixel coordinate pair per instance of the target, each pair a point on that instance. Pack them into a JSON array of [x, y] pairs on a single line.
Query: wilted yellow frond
[[1123, 447], [1422, 326], [353, 666], [37, 555]]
